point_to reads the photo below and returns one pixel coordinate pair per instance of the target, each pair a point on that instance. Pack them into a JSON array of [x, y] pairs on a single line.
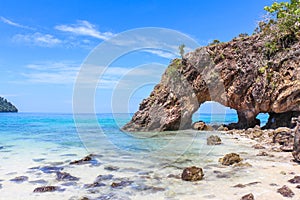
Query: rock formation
[[6, 106], [241, 74], [296, 150]]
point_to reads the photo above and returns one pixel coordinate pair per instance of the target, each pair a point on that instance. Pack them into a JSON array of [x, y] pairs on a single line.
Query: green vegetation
[[181, 50], [6, 106], [172, 70], [283, 28], [243, 35], [214, 42]]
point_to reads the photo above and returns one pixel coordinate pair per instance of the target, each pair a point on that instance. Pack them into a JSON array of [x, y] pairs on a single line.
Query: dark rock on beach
[[295, 180], [213, 140], [230, 159], [84, 160], [248, 197], [46, 189], [202, 126], [192, 174], [19, 179], [64, 176], [286, 191]]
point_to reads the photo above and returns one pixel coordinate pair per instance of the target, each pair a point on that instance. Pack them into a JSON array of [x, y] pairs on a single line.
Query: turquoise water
[[61, 129], [31, 142]]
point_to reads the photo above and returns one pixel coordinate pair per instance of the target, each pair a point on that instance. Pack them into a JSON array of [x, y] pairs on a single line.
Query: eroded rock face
[[296, 149], [236, 74]]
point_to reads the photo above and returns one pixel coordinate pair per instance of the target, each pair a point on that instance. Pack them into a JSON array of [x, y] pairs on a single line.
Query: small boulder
[[283, 136], [295, 180], [286, 191], [230, 159], [192, 174], [46, 189], [222, 128], [214, 140], [201, 126], [248, 197]]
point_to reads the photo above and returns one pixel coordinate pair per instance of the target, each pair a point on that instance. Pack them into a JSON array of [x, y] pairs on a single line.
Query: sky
[[45, 44]]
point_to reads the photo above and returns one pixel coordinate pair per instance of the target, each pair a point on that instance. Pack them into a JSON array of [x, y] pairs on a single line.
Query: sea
[[36, 147]]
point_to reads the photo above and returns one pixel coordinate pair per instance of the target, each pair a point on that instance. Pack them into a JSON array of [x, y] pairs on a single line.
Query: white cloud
[[11, 23], [52, 72], [84, 28], [160, 53], [39, 39]]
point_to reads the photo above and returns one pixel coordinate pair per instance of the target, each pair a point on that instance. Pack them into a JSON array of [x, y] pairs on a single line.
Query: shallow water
[[149, 164]]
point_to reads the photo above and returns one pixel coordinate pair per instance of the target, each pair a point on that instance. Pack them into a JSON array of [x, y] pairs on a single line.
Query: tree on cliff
[[6, 106]]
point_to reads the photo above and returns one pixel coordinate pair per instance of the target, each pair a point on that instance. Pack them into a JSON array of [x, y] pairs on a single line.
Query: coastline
[[148, 176]]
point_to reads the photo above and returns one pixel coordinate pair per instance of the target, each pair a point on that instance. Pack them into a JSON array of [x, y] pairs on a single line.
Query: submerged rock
[[121, 184], [230, 159], [46, 189], [64, 176], [111, 168], [50, 169], [19, 179], [214, 140], [248, 197], [286, 191], [84, 160], [192, 174]]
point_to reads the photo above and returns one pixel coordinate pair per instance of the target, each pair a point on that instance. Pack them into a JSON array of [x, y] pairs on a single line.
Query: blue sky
[[44, 43]]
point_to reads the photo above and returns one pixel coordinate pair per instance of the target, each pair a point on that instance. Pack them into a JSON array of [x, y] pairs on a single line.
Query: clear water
[[30, 141]]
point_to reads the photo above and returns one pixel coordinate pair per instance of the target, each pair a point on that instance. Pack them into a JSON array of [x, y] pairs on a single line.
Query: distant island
[[6, 106]]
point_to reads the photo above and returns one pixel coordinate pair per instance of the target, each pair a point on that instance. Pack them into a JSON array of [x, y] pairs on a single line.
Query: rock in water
[[296, 149], [46, 189], [19, 179], [248, 197], [214, 140], [230, 159], [192, 174], [64, 176], [236, 74], [286, 191], [84, 160]]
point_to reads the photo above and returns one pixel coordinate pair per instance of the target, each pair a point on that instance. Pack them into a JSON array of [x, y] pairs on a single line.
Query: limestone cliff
[[6, 106], [246, 74]]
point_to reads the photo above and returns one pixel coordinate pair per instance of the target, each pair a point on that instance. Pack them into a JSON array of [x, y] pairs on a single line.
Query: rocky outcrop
[[239, 74], [296, 149], [6, 106]]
